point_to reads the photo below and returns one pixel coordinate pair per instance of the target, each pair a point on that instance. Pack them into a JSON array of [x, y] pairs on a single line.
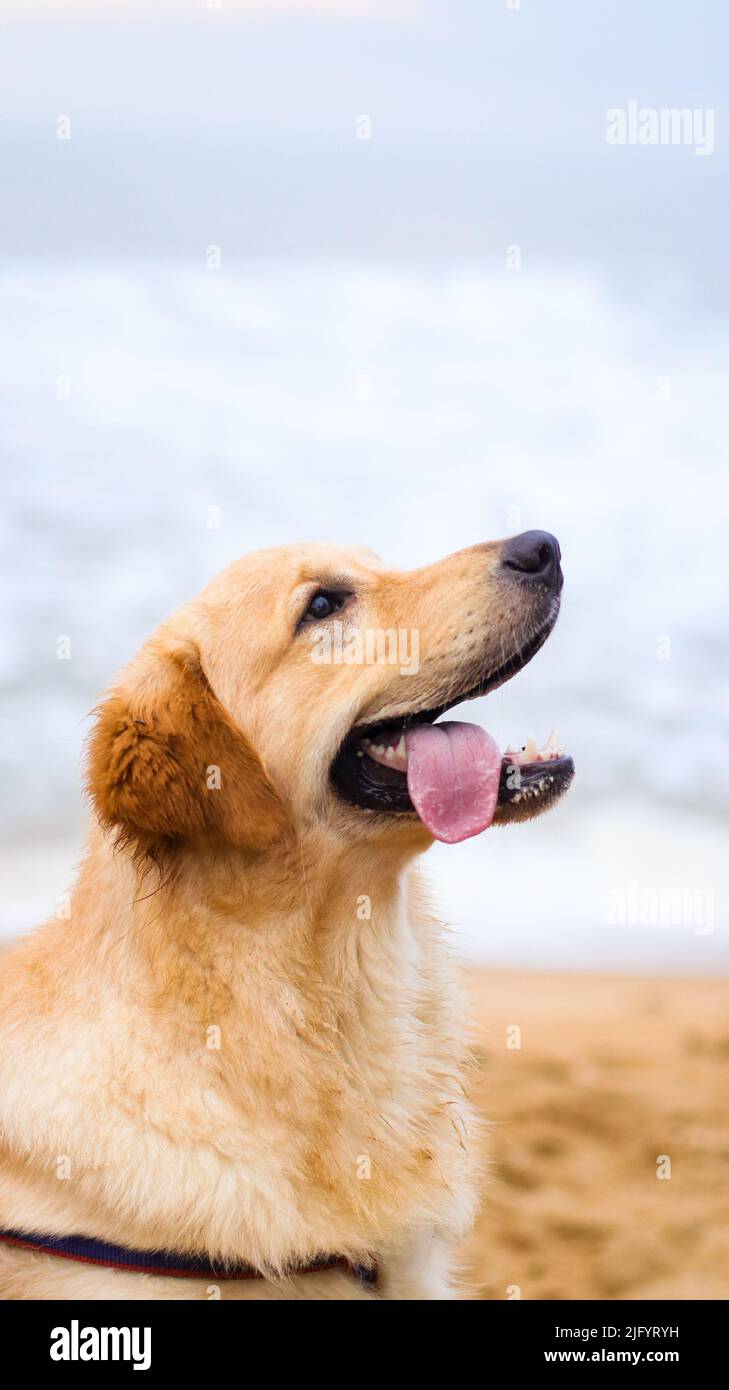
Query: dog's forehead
[[312, 560], [292, 565]]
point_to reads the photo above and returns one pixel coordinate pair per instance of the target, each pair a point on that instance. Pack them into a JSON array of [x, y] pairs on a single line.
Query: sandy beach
[[612, 1073]]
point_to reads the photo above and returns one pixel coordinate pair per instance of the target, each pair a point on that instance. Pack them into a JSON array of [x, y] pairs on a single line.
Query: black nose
[[535, 555]]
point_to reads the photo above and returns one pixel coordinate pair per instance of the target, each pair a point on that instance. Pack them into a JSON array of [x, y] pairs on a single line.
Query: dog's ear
[[166, 762]]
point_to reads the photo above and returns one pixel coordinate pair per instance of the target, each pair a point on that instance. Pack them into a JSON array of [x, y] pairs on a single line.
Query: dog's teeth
[[552, 740], [530, 749], [392, 755]]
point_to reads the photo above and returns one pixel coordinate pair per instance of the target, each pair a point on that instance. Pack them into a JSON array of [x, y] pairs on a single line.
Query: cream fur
[[340, 1037]]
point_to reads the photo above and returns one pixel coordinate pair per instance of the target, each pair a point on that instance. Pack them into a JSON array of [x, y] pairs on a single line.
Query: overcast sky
[[193, 126]]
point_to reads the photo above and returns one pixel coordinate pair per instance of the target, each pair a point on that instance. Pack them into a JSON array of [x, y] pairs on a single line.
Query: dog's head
[[302, 688]]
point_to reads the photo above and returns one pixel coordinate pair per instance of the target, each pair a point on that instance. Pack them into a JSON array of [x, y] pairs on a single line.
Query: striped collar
[[100, 1252]]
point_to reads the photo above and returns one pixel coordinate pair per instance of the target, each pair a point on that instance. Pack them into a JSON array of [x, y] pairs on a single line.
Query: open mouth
[[452, 775]]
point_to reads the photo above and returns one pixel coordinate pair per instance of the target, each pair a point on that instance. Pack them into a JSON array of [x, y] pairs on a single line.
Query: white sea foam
[[413, 411]]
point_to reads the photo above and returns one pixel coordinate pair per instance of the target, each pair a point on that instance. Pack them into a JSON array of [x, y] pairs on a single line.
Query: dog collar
[[100, 1252]]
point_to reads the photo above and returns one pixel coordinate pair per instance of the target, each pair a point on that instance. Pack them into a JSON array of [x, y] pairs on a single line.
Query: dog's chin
[[373, 771]]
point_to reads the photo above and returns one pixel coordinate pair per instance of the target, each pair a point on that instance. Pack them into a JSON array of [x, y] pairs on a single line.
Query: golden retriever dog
[[235, 1066]]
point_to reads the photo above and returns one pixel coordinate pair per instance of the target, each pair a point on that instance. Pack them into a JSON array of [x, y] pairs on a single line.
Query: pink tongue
[[453, 778]]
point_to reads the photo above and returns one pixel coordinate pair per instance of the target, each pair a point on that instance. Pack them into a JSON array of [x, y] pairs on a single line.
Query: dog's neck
[[209, 915]]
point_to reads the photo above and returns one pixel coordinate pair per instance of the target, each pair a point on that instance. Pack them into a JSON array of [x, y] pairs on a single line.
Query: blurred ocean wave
[[413, 410]]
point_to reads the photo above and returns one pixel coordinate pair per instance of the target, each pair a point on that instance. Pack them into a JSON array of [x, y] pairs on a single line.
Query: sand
[[612, 1073]]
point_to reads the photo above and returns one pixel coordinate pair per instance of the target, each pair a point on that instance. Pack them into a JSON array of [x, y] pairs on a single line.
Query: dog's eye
[[323, 604]]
